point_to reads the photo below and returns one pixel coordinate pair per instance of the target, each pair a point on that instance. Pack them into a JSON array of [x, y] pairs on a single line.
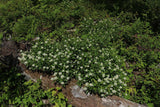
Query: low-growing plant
[[103, 31], [12, 10], [16, 91], [142, 60], [11, 84], [146, 10], [25, 28], [98, 69], [43, 17], [145, 86], [34, 95]]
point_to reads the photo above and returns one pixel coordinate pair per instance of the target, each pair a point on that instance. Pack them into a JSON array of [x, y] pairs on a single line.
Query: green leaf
[[61, 96], [58, 88], [1, 35], [69, 106], [56, 105], [84, 36], [129, 70], [150, 105], [54, 92]]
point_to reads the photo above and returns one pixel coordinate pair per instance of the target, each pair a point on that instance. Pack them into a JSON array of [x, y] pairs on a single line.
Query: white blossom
[[54, 78], [115, 83], [60, 73], [99, 80], [62, 83], [91, 84], [62, 76], [114, 91], [87, 84]]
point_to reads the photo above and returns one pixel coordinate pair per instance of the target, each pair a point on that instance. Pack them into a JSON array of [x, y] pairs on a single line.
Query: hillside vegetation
[[111, 47]]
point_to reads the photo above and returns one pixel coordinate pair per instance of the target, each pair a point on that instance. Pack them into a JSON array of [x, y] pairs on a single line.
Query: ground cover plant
[[26, 19], [83, 59], [147, 10], [16, 91], [34, 95], [10, 87]]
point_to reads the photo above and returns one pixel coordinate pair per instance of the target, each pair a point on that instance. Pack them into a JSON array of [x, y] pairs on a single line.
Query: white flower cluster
[[99, 69]]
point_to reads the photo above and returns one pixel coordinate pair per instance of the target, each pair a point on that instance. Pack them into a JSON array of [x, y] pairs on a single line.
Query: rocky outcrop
[[9, 52]]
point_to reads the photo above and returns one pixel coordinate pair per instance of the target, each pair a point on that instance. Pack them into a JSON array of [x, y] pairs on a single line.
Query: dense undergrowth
[[109, 49], [16, 91]]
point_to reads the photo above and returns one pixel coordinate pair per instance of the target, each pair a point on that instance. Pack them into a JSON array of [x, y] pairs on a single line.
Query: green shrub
[[114, 30], [12, 10], [97, 68], [146, 86], [11, 83], [25, 28], [143, 58], [103, 31], [146, 10], [29, 18], [34, 96], [16, 91]]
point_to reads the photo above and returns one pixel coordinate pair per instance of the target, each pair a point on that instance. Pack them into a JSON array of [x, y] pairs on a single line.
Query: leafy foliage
[[27, 25], [40, 17], [34, 95], [11, 83], [18, 92], [146, 10]]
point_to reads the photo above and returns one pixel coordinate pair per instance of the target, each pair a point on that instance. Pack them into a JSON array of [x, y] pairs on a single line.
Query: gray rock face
[[110, 101], [28, 77], [9, 52], [78, 92], [114, 101]]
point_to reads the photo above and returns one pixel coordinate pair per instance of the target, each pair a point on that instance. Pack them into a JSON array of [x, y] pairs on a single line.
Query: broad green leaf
[[54, 92], [61, 96]]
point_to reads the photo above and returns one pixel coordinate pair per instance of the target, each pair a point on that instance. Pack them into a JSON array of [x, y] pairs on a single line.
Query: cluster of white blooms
[[97, 68]]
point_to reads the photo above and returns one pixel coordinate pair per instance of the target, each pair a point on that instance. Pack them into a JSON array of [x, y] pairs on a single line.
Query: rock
[[28, 77], [9, 52], [47, 83], [114, 101], [8, 48], [78, 92]]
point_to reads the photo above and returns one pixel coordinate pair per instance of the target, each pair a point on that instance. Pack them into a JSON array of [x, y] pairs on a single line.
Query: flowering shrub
[[103, 31], [98, 70]]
